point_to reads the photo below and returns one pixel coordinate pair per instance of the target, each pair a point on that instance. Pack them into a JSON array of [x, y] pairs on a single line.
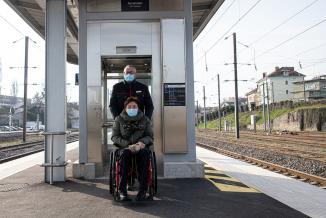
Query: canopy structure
[[33, 12]]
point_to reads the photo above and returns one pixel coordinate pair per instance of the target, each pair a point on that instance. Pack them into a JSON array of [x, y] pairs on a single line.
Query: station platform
[[24, 194]]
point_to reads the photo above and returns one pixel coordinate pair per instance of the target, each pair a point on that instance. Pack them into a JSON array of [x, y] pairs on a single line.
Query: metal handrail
[[108, 124]]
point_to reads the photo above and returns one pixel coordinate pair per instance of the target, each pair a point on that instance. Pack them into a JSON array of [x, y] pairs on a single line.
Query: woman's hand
[[134, 148], [141, 145]]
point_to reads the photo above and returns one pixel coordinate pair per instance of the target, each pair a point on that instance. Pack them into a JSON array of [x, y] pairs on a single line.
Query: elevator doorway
[[112, 69]]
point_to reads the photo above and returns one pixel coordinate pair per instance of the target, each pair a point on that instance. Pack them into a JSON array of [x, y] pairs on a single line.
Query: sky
[[12, 56], [278, 32]]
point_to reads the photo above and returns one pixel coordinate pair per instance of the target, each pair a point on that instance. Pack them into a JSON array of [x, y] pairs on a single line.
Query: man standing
[[130, 88]]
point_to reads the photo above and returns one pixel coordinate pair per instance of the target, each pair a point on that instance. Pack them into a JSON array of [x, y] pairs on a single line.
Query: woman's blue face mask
[[129, 77], [132, 112]]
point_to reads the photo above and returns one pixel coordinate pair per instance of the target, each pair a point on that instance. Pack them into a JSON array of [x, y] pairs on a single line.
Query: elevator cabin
[[156, 45]]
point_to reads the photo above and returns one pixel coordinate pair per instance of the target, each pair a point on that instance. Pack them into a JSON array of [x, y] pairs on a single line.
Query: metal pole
[[304, 90], [197, 108], [264, 113], [236, 106], [268, 111], [105, 100], [205, 123], [25, 88], [38, 121], [10, 119], [272, 91], [219, 102]]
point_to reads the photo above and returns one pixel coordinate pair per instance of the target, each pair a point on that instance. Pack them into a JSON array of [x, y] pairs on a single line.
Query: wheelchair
[[132, 174]]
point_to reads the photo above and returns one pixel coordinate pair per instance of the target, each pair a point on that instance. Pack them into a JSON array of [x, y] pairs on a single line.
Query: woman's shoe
[[124, 196]]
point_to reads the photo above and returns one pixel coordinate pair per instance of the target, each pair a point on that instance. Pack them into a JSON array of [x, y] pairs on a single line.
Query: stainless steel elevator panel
[[174, 112], [157, 95], [117, 34], [94, 98], [103, 40]]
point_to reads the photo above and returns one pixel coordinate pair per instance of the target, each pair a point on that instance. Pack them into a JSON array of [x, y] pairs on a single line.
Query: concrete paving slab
[[308, 199], [27, 196]]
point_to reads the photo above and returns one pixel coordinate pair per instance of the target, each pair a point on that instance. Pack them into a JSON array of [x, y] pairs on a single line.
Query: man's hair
[[131, 99], [129, 66]]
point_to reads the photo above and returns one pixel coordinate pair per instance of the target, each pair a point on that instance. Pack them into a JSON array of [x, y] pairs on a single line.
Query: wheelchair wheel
[[114, 177], [111, 172], [152, 189], [155, 173]]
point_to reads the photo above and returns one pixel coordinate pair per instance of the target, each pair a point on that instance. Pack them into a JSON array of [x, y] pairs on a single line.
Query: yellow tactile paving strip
[[224, 182]]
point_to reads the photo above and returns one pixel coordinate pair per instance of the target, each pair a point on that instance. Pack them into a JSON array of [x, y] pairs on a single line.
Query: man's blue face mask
[[129, 77], [132, 112]]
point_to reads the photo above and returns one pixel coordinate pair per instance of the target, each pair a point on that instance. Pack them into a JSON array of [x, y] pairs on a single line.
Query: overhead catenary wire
[[311, 49], [283, 22], [295, 37], [289, 39], [10, 24], [314, 64], [21, 33], [303, 52], [218, 19], [229, 29]]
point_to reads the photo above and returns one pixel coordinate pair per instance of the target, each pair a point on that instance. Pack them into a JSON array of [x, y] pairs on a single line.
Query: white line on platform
[[18, 165], [303, 197]]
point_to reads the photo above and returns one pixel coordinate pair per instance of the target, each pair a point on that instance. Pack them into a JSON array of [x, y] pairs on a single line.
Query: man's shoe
[[124, 196], [141, 196]]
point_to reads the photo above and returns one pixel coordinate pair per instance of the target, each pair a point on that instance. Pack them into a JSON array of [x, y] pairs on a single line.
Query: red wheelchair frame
[[132, 174]]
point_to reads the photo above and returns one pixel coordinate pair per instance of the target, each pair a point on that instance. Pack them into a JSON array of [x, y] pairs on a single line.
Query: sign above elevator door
[[135, 5]]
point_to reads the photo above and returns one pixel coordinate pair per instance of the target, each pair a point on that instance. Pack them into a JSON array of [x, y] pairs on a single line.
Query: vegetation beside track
[[244, 117]]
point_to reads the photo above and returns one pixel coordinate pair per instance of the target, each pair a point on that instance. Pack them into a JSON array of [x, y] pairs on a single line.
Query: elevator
[[158, 42], [112, 69]]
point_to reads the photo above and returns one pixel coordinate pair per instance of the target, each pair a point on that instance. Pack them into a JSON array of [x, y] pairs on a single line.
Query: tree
[[37, 107]]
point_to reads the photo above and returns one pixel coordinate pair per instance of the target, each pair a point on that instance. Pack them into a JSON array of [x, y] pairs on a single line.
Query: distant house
[[279, 85], [253, 99], [313, 89], [10, 101], [72, 115], [16, 104], [229, 102]]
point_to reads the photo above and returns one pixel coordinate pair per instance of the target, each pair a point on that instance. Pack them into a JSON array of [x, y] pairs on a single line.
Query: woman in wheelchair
[[132, 133]]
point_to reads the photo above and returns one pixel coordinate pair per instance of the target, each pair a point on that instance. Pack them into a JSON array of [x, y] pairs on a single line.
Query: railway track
[[314, 149], [309, 140], [21, 150], [293, 150], [305, 177]]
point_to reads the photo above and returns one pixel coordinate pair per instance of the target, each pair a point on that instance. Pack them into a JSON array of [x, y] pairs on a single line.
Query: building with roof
[[229, 103], [10, 101], [279, 85], [253, 99], [313, 89]]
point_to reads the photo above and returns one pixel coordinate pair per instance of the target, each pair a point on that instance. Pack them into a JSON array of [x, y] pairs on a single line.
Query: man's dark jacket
[[122, 90]]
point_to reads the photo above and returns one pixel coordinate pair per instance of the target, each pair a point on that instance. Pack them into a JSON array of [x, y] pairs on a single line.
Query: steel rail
[[312, 179], [305, 140], [7, 159], [258, 144]]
